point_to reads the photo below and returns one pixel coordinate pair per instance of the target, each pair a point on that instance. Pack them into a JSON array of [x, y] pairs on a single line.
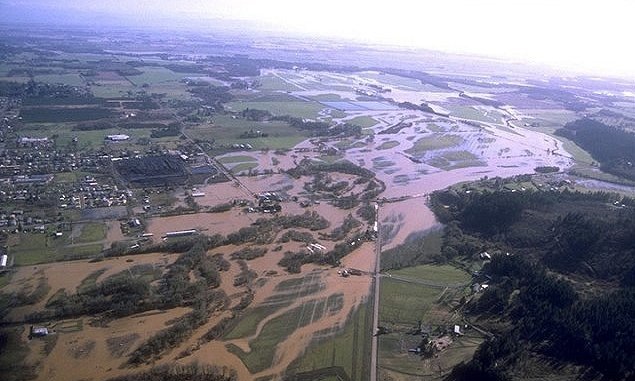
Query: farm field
[[416, 300]]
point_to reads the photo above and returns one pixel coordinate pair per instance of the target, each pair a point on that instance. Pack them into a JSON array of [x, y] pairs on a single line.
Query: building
[[117, 138], [181, 233], [39, 331], [32, 179], [3, 260]]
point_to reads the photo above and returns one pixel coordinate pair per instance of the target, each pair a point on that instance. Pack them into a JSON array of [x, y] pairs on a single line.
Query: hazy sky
[[587, 35]]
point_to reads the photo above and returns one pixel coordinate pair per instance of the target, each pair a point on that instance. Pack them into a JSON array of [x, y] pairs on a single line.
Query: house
[[485, 256], [117, 137], [39, 331]]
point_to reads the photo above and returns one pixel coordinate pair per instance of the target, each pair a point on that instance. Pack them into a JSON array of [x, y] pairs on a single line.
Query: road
[[374, 346], [221, 168]]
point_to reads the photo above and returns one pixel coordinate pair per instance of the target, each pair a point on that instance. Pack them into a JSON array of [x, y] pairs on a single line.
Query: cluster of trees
[[293, 261], [308, 167], [249, 253], [550, 318], [568, 231], [173, 129], [181, 330], [296, 236], [192, 372], [340, 232], [611, 146], [212, 95], [130, 292], [547, 169], [548, 234], [264, 230], [316, 128]]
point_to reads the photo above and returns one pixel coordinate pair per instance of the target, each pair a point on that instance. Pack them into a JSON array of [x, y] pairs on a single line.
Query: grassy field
[[57, 115], [274, 83], [90, 280], [67, 79], [249, 322], [434, 142], [455, 159], [227, 131], [467, 112], [363, 121], [30, 249], [153, 75], [347, 348], [403, 305], [5, 278], [243, 167], [91, 232], [327, 97], [444, 275], [298, 109], [112, 89], [388, 145], [236, 159], [276, 330]]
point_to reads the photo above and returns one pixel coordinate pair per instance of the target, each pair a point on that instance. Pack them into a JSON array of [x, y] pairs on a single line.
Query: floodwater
[[69, 275], [500, 150]]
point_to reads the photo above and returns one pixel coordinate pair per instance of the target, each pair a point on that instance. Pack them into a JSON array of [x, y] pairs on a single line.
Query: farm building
[[39, 331], [117, 137], [181, 233]]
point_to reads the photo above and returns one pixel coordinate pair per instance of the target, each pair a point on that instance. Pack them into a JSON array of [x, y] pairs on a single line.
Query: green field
[[91, 232], [347, 348], [227, 131], [236, 159], [57, 115], [274, 83], [243, 167], [403, 305], [278, 329], [298, 109], [67, 79], [467, 112], [434, 142], [32, 249], [363, 121], [249, 321], [153, 75], [443, 275], [90, 280], [455, 159], [388, 145]]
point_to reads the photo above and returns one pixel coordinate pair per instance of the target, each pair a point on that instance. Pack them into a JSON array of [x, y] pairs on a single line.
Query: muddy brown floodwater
[[400, 160]]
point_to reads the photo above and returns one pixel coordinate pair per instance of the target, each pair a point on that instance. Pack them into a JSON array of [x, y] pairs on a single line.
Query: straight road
[[377, 277]]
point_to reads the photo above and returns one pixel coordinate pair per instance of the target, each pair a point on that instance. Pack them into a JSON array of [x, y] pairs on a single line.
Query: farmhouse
[[117, 138], [39, 331]]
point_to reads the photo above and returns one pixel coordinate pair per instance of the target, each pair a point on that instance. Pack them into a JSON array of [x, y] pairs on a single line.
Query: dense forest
[[613, 147], [561, 279]]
